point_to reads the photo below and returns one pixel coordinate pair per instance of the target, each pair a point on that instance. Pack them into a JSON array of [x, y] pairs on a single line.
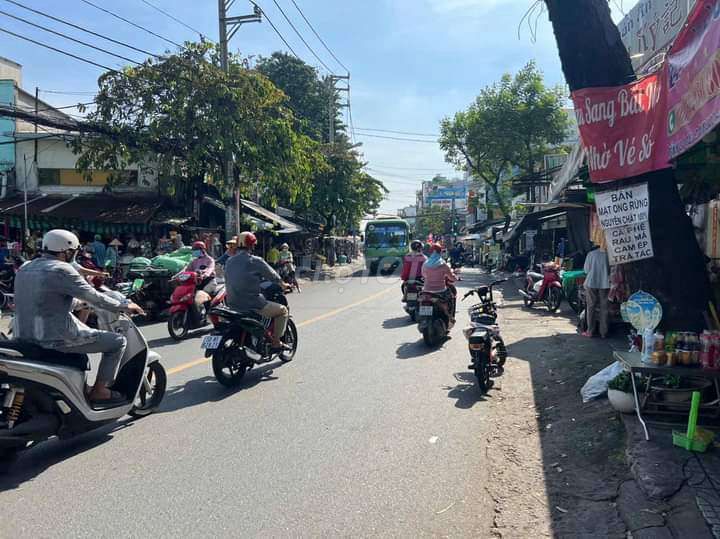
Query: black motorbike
[[487, 348], [150, 288], [436, 316], [413, 289], [7, 279], [242, 340]]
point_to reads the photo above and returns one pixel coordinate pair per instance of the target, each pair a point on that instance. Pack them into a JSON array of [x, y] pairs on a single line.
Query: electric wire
[[70, 38], [319, 38], [120, 17], [171, 16], [276, 30], [77, 27], [301, 37], [399, 132], [397, 138], [71, 55]]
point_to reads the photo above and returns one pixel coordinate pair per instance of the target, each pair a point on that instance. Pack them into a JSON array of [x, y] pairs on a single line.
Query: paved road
[[365, 433]]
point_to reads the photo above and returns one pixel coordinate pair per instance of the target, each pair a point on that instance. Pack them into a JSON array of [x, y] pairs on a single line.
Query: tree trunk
[[593, 55]]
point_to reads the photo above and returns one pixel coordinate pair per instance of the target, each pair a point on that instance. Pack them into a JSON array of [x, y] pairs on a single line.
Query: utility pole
[[228, 28], [334, 79]]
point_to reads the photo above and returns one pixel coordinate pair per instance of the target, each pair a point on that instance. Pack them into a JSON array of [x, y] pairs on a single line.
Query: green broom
[[696, 439]]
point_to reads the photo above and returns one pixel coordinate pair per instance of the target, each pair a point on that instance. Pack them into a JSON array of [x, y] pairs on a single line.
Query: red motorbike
[[545, 287], [188, 306]]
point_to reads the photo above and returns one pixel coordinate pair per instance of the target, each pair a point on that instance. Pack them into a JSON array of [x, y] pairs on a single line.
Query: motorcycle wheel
[[291, 338], [574, 301], [501, 352], [229, 364], [149, 399], [482, 372], [434, 333], [554, 299], [177, 325], [413, 316], [528, 302]]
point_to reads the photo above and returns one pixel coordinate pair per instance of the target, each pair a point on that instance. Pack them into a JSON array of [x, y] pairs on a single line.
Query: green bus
[[386, 243]]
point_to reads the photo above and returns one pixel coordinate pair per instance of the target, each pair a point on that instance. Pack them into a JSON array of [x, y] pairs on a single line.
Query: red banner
[[622, 128]]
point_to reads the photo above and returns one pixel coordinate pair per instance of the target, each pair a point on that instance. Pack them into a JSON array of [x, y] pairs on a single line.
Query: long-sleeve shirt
[[436, 277], [243, 275], [412, 266], [597, 269], [204, 265], [44, 293]]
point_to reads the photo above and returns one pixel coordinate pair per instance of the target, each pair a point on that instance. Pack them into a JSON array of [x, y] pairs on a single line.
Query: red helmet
[[436, 248], [246, 240], [198, 245]]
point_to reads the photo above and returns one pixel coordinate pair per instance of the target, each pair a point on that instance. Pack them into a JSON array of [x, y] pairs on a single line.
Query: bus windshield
[[390, 235]]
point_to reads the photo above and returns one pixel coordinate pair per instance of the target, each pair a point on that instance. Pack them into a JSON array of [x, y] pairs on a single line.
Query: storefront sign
[[693, 68], [629, 243], [623, 207], [620, 128]]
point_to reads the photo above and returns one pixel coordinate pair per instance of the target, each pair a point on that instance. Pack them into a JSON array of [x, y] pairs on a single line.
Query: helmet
[[198, 245], [59, 241], [246, 240], [284, 246], [436, 248], [416, 245]]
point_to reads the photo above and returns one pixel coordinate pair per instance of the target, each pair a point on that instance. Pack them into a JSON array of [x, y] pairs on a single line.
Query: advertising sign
[[7, 126], [693, 67], [620, 128], [629, 243]]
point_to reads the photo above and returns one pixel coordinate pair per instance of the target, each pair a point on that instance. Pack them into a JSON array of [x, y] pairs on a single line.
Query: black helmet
[[416, 245]]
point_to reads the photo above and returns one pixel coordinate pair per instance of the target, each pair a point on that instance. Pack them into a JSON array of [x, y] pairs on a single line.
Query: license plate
[[387, 266], [412, 297], [426, 310], [211, 342]]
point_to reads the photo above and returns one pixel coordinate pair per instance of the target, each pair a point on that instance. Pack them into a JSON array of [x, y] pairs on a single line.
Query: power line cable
[[405, 168], [120, 17], [61, 92], [399, 132], [71, 55], [301, 37], [319, 38], [276, 30], [77, 27], [397, 138], [70, 38], [171, 16]]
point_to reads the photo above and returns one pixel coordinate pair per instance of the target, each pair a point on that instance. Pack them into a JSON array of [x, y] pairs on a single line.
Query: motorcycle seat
[[34, 352], [247, 317], [535, 275]]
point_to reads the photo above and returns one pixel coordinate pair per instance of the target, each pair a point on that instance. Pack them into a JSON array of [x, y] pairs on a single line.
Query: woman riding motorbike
[[287, 266], [204, 265], [438, 278], [412, 266]]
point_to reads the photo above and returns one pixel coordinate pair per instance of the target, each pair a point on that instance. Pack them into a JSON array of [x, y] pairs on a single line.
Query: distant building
[[409, 213]]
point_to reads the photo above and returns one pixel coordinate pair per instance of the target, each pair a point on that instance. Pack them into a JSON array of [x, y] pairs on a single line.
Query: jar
[[672, 358], [685, 357], [659, 342], [658, 358]]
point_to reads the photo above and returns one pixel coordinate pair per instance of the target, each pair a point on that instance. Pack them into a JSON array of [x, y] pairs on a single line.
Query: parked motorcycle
[[487, 348], [545, 287], [413, 288], [434, 322], [42, 392], [188, 306], [244, 339]]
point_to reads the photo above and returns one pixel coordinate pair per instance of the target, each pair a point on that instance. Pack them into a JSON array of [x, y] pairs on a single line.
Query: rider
[[286, 257], [439, 278], [412, 265], [243, 274], [44, 292], [204, 265]]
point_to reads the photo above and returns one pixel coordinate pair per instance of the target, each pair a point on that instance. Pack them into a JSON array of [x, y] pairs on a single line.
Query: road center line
[[329, 314]]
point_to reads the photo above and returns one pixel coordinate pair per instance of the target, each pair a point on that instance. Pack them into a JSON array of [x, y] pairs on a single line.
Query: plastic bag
[[597, 384]]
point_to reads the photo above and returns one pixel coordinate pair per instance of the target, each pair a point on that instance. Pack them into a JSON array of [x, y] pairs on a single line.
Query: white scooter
[[42, 392]]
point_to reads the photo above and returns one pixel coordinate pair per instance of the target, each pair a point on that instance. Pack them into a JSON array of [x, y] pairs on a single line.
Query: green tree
[[186, 116], [510, 126], [434, 220]]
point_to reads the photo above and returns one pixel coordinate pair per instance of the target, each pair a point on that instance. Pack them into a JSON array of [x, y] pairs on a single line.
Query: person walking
[[597, 288]]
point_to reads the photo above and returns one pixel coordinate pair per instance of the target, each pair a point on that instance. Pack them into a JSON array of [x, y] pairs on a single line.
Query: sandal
[[115, 399], [282, 348]]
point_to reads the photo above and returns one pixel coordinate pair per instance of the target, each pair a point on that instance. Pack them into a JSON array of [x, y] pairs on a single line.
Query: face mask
[[197, 254]]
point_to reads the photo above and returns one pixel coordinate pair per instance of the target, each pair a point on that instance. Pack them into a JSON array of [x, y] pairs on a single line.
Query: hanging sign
[[624, 215]]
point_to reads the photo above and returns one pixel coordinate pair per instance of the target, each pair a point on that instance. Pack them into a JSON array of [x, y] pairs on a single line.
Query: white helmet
[[59, 241]]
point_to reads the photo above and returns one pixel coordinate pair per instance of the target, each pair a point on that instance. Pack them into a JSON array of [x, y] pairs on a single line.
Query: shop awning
[[567, 173], [544, 212], [284, 226]]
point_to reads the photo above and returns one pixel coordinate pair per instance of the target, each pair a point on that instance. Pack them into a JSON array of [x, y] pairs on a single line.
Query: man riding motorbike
[[45, 290], [439, 278], [204, 265], [243, 274], [412, 266], [286, 257]]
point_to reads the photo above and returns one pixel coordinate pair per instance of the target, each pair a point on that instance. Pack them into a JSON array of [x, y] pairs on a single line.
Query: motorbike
[[243, 340], [413, 288], [188, 306], [7, 279], [149, 288], [42, 392], [287, 273], [545, 287], [487, 348], [433, 320]]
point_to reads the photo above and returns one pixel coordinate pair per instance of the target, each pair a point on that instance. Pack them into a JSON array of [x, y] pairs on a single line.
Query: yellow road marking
[[329, 314]]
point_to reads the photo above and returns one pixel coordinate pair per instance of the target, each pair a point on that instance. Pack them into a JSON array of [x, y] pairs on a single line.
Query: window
[[387, 236], [49, 176]]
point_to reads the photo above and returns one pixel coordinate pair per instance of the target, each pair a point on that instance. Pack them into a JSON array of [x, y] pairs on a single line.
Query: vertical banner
[[624, 215]]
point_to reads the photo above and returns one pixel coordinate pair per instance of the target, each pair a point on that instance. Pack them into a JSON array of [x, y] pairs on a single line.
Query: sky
[[412, 62]]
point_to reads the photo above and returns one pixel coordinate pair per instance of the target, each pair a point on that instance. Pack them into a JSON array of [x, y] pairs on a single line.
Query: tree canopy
[[510, 126]]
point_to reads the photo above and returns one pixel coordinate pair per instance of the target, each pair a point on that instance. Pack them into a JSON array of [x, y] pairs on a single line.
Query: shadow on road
[[168, 341], [466, 393], [207, 389], [412, 350], [398, 322], [36, 460]]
